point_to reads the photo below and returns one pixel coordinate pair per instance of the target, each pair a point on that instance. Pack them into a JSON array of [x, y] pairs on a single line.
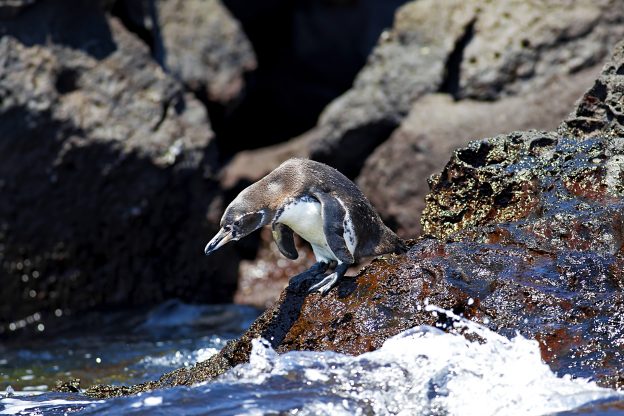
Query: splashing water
[[425, 371], [422, 371]]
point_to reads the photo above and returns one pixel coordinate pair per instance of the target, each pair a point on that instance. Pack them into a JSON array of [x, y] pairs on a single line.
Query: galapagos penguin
[[322, 206]]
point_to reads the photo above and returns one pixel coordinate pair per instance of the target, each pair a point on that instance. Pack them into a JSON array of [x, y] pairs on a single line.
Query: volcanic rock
[[106, 173], [395, 174]]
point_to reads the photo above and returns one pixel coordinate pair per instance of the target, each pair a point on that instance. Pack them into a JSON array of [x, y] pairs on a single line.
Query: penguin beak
[[218, 240]]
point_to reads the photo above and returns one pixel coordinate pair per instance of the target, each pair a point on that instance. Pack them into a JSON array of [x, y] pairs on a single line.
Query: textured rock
[[477, 49], [199, 42], [601, 109], [537, 182], [105, 172], [395, 175]]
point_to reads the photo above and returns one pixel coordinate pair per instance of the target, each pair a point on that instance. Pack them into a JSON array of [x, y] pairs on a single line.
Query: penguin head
[[236, 224]]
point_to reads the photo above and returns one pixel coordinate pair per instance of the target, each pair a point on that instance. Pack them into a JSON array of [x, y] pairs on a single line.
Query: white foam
[[148, 402], [426, 371], [14, 406], [179, 358]]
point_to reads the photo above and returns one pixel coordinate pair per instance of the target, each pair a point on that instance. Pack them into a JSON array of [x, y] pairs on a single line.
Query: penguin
[[322, 206]]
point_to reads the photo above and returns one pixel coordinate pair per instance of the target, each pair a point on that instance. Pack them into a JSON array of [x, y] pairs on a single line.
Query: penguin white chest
[[304, 217]]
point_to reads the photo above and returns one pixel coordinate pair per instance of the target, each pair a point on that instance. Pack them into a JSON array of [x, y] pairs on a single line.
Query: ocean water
[[422, 371]]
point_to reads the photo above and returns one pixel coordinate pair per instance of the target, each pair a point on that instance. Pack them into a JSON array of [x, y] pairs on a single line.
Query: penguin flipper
[[285, 240], [333, 214]]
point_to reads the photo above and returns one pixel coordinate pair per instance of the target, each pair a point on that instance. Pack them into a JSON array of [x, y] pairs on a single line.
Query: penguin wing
[[285, 240], [333, 214]]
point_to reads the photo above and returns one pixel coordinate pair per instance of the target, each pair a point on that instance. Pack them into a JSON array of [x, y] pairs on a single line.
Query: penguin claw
[[326, 284]]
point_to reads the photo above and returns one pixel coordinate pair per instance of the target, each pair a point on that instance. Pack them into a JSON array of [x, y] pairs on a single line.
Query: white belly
[[304, 218]]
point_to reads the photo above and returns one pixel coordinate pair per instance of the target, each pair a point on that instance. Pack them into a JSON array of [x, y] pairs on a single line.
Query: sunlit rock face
[[476, 50], [106, 169]]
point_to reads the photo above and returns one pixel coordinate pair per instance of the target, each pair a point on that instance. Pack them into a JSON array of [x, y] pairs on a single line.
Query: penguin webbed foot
[[330, 281], [318, 268]]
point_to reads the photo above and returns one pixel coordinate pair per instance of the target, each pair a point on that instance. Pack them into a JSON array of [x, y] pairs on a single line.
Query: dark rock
[[10, 8], [478, 49], [535, 184], [198, 42], [601, 109], [71, 386], [106, 171]]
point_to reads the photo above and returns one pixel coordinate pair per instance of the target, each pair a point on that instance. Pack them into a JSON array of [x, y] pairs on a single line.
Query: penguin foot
[[313, 273], [326, 284], [330, 281]]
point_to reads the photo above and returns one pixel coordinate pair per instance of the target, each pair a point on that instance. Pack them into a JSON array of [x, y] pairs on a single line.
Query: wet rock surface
[[106, 173], [525, 235]]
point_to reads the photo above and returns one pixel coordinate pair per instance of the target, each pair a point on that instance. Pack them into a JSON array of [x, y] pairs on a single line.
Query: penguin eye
[[237, 223]]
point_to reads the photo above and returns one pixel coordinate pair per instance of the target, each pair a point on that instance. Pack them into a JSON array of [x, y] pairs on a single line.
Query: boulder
[[525, 235], [107, 171]]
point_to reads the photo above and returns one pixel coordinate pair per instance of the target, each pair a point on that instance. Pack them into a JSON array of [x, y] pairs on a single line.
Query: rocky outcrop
[[525, 235], [106, 169]]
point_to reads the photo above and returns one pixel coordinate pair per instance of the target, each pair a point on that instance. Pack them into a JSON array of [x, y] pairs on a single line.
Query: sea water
[[422, 371]]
